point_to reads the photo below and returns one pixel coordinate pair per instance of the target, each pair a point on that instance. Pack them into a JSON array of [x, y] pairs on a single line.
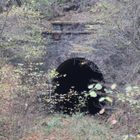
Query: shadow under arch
[[77, 74]]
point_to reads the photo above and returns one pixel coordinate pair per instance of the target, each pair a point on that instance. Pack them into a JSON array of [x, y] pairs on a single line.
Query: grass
[[78, 127]]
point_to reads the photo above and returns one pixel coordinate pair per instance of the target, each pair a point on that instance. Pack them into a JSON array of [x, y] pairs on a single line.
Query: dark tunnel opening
[[77, 74]]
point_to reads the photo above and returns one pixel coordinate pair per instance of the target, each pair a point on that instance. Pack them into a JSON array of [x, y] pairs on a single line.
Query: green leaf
[[93, 94], [128, 89], [113, 86], [101, 99], [86, 95], [108, 91], [109, 99], [98, 86], [90, 86]]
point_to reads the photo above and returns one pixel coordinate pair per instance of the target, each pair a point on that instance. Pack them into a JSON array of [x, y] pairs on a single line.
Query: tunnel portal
[[77, 74]]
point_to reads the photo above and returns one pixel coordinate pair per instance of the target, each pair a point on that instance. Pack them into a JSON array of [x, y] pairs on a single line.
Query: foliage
[[46, 8], [79, 99], [18, 88], [98, 87], [131, 96], [25, 41], [93, 88], [53, 73]]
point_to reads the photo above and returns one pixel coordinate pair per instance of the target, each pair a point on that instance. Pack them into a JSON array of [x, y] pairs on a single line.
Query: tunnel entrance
[[74, 76]]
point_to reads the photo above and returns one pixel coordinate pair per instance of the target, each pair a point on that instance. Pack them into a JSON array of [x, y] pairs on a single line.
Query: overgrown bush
[[130, 97], [73, 101]]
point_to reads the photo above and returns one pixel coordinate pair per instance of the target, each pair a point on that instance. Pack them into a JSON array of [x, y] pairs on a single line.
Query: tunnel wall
[[114, 62]]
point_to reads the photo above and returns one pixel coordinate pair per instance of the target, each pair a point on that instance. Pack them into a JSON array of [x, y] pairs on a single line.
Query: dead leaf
[[102, 111]]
